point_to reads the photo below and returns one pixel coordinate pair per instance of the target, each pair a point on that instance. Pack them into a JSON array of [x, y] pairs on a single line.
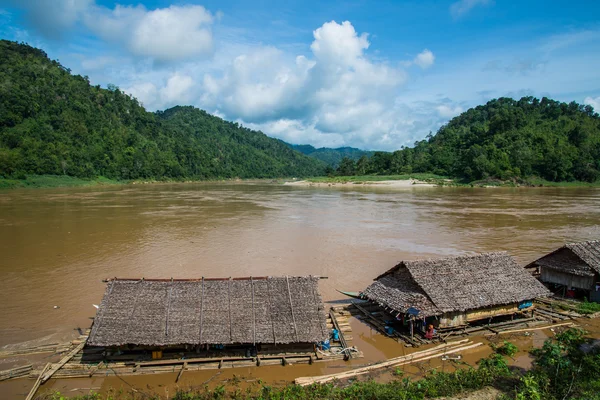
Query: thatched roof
[[437, 286], [213, 311], [581, 258]]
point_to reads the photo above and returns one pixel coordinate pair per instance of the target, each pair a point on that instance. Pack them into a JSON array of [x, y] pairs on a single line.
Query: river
[[56, 245]]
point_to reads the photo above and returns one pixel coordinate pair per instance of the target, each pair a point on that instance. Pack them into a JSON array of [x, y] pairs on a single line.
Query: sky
[[376, 75]]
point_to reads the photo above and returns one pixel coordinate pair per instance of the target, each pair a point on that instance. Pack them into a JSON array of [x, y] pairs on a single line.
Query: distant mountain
[[331, 156], [52, 122]]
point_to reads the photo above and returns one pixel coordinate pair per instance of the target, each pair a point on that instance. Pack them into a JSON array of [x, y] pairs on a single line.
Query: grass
[[535, 181], [587, 307], [426, 177], [50, 181]]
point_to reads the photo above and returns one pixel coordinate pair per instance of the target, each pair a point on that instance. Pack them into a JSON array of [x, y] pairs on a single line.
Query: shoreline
[[57, 181], [407, 183]]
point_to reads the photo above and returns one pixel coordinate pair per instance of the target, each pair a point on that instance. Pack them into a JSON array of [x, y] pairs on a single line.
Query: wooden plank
[[168, 309], [292, 307], [271, 310], [37, 383], [414, 357], [253, 313], [201, 309], [538, 328], [183, 368], [95, 368], [62, 362], [347, 352]]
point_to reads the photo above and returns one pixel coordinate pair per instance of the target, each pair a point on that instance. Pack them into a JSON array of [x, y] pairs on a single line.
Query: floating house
[[449, 293], [573, 267], [208, 314]]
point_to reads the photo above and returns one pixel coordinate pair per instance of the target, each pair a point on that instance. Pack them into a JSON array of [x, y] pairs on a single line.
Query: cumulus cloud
[[177, 90], [594, 102], [461, 7], [424, 59], [338, 91], [164, 34]]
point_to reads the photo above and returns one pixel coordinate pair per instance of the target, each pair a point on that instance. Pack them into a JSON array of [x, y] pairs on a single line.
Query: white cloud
[[446, 111], [424, 59], [164, 34], [594, 102], [337, 94], [461, 7], [177, 90], [338, 44]]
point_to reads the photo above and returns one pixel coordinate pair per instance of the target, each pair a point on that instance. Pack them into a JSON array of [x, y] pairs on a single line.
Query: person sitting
[[430, 332]]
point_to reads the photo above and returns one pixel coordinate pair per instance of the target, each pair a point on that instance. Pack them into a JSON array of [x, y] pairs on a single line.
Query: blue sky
[[370, 74]]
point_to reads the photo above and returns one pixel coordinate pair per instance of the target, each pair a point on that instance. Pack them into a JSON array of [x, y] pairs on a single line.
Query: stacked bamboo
[[15, 372], [438, 351]]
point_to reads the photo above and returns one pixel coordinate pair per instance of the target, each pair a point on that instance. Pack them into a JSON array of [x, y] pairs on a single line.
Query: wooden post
[[411, 328]]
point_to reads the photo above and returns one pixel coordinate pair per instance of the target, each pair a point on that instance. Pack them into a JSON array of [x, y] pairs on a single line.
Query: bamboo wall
[[570, 280], [456, 319]]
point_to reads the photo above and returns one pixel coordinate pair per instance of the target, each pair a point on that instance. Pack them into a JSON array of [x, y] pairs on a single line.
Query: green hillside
[[56, 123], [330, 156], [505, 139]]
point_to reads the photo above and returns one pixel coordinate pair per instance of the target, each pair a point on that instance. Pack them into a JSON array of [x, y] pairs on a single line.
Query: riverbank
[[54, 181], [389, 181]]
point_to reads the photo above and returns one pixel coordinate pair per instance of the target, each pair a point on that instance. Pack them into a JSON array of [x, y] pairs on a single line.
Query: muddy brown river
[[56, 245]]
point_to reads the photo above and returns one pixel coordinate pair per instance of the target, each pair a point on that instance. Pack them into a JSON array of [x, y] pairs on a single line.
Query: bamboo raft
[[93, 361]]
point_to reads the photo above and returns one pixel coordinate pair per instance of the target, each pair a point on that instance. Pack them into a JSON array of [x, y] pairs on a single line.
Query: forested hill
[[506, 139], [332, 157], [53, 122]]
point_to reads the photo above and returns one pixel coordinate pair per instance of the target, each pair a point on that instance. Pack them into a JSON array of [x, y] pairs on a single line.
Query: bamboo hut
[[210, 313], [449, 293], [574, 267]]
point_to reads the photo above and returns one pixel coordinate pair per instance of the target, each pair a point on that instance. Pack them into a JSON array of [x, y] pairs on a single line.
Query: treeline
[[331, 157], [503, 139], [53, 122]]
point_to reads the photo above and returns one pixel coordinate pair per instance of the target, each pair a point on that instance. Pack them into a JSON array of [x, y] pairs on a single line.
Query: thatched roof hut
[[572, 265], [581, 259], [454, 284], [148, 312]]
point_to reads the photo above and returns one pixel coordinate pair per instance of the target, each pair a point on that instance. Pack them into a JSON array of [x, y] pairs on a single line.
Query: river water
[[56, 245]]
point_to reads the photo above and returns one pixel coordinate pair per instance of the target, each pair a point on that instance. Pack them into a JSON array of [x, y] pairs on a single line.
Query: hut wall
[[456, 319], [577, 281], [453, 319], [488, 312]]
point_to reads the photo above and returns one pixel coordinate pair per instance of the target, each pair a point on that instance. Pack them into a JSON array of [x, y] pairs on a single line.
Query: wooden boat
[[354, 295]]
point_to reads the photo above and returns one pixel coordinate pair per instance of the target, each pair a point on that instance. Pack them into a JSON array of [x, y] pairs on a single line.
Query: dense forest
[[331, 157], [505, 139], [53, 122]]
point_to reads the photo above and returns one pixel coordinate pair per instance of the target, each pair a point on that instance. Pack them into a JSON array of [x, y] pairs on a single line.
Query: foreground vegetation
[[561, 370]]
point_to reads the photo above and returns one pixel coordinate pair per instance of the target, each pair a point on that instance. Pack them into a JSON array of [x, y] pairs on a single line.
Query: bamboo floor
[[544, 312]]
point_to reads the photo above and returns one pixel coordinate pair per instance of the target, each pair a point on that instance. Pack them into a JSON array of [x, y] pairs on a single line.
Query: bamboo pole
[[37, 383], [62, 362], [536, 329], [415, 357]]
